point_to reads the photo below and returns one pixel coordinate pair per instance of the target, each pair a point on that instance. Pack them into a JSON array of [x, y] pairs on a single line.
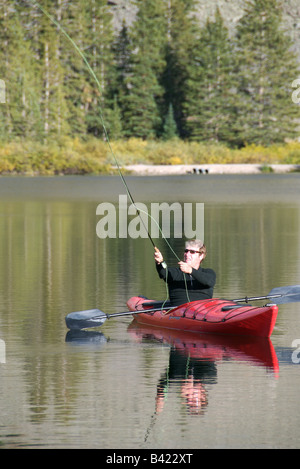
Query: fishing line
[[91, 71]]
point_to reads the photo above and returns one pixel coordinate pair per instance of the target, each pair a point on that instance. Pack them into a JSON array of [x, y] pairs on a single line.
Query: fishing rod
[[91, 71]]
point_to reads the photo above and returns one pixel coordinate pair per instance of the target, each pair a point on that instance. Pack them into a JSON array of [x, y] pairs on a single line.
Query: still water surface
[[122, 386]]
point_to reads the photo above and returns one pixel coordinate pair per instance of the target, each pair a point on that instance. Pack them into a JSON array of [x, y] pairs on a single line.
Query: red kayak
[[214, 316]]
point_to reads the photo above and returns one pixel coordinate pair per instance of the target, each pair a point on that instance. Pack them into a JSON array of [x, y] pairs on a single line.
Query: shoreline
[[146, 169], [173, 170]]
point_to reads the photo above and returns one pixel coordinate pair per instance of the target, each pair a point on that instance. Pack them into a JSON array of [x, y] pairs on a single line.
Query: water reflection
[[190, 375], [193, 359], [86, 338], [213, 347], [193, 362], [54, 263]]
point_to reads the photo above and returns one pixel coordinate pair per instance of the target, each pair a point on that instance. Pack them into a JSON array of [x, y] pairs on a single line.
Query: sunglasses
[[191, 251]]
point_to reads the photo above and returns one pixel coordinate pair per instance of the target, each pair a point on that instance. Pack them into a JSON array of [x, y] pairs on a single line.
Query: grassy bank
[[72, 156]]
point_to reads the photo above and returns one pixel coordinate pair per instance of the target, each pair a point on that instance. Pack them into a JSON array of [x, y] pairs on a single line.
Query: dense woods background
[[163, 74]]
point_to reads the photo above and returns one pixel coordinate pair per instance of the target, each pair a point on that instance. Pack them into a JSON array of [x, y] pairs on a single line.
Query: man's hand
[[158, 256], [184, 267]]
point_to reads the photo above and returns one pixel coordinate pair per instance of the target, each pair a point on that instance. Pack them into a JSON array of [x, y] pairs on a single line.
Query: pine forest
[[164, 88]]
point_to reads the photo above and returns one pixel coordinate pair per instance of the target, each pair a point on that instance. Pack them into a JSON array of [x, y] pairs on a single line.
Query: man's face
[[192, 257]]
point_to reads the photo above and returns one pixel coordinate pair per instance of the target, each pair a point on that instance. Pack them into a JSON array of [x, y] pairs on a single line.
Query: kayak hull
[[214, 316]]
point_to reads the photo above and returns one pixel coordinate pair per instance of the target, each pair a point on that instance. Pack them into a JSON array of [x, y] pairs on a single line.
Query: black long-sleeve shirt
[[199, 284]]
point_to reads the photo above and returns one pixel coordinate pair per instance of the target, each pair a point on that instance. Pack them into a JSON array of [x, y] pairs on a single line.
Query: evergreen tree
[[181, 42], [76, 83], [122, 48], [144, 92], [115, 129], [17, 71], [98, 52], [52, 104], [209, 97], [170, 127], [266, 68], [140, 111], [161, 74]]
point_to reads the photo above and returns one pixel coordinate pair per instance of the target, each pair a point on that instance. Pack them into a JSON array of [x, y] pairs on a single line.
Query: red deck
[[210, 316]]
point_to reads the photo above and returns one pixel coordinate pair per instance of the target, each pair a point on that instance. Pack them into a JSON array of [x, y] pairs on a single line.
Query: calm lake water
[[121, 386]]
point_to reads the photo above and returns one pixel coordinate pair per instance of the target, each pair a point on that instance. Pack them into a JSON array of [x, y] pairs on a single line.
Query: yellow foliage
[[175, 160], [75, 156]]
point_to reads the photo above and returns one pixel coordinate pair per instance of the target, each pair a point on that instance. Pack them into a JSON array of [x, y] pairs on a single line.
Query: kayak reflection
[[212, 347], [193, 358]]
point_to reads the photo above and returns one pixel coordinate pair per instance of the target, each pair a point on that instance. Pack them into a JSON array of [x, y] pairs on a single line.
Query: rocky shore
[[176, 170]]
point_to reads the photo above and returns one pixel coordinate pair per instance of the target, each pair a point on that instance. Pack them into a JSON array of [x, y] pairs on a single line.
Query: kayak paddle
[[279, 295], [96, 317]]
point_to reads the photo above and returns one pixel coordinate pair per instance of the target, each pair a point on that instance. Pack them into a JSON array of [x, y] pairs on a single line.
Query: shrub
[[94, 156]]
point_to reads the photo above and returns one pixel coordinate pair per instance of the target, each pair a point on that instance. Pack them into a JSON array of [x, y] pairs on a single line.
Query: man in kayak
[[189, 281]]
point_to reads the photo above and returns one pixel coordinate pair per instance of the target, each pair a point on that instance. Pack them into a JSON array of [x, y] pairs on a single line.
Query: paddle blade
[[85, 319], [289, 294]]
